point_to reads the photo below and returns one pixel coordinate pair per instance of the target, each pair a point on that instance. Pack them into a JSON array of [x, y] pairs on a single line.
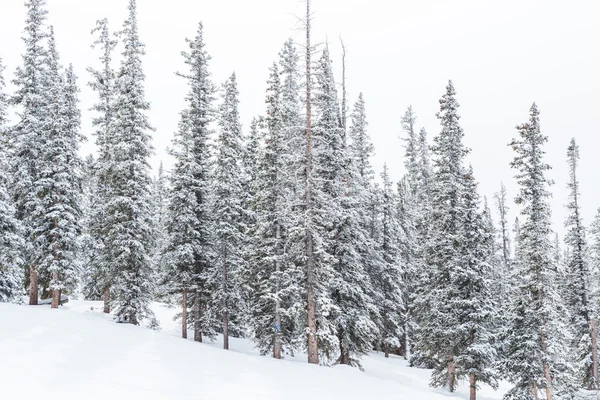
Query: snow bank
[[79, 353]]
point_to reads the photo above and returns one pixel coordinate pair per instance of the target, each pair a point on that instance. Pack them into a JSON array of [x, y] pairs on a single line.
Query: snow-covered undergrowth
[[79, 353]]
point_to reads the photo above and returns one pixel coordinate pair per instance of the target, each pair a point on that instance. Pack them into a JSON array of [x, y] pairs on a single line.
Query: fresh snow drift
[[80, 353]]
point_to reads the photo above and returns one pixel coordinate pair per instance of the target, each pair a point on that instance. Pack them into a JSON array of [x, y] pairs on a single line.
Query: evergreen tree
[[474, 283], [536, 353], [354, 314], [578, 280], [229, 230], [272, 274], [440, 308], [159, 212], [11, 242], [190, 252], [502, 207], [368, 208], [57, 222], [104, 84], [32, 82], [128, 232], [393, 307]]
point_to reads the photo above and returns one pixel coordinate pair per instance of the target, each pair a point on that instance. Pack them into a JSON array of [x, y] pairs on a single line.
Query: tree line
[[282, 234]]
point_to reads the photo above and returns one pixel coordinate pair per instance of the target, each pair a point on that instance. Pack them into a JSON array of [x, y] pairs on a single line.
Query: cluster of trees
[[283, 234]]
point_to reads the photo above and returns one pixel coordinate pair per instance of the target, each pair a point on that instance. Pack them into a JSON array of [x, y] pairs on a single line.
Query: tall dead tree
[[312, 342]]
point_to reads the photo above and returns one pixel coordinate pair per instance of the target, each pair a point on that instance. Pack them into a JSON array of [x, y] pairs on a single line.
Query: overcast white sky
[[501, 56]]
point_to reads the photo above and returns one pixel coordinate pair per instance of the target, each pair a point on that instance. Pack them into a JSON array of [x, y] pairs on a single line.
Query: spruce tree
[[393, 314], [578, 281], [104, 84], [273, 276], [159, 212], [57, 225], [32, 87], [502, 207], [229, 229], [440, 335], [474, 283], [11, 242], [355, 314], [128, 232], [536, 354], [189, 251]]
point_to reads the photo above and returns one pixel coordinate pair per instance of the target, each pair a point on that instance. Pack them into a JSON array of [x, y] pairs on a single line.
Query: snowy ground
[[79, 353]]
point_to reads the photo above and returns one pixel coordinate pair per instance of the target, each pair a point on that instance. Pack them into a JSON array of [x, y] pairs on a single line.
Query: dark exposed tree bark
[[184, 315]]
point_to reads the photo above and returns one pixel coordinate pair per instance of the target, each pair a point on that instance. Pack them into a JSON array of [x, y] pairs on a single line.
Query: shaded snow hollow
[[79, 353]]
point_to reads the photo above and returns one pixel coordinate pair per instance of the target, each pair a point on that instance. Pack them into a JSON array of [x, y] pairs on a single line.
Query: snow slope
[[79, 353]]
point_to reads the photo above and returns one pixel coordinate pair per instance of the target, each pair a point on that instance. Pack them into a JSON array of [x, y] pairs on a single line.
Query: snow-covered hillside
[[79, 353]]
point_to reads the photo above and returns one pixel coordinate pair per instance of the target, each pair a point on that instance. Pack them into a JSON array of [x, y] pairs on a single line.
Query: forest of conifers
[[282, 233]]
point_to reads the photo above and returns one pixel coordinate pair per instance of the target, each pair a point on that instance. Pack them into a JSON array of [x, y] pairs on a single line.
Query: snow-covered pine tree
[[412, 270], [189, 251], [323, 183], [275, 280], [128, 225], [11, 242], [88, 248], [291, 118], [439, 307], [354, 314], [474, 284], [104, 84], [368, 208], [32, 84], [57, 222], [413, 208], [159, 204], [536, 354], [578, 281], [393, 314], [501, 199], [223, 274]]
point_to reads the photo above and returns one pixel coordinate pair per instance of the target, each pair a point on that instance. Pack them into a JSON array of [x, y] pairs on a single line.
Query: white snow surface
[[77, 352]]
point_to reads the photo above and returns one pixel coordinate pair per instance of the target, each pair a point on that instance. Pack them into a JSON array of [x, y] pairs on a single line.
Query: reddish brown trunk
[[472, 386], [107, 300], [33, 286], [184, 315], [226, 330], [55, 292], [197, 322]]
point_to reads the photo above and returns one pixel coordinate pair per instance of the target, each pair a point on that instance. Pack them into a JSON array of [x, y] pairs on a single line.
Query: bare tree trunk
[[55, 292], [33, 286], [386, 350], [107, 300], [184, 315], [344, 95], [197, 322], [451, 379], [313, 346], [472, 386], [548, 381], [594, 353]]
